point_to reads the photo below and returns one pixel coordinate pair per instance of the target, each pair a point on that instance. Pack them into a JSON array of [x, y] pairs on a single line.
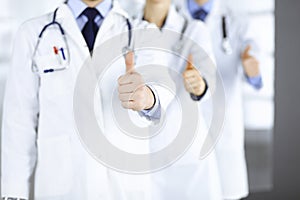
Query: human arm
[[20, 119]]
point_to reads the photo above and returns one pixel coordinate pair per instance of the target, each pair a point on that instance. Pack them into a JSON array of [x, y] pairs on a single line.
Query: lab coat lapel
[[68, 22], [216, 12], [183, 7], [174, 21], [108, 23]]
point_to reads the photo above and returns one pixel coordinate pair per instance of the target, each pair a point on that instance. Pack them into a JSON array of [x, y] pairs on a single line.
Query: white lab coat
[[230, 148], [39, 136], [189, 178]]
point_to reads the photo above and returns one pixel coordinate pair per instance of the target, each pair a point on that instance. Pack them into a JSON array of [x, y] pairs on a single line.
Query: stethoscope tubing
[[54, 22]]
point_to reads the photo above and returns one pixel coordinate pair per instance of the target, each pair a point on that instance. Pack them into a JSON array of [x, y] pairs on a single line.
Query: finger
[[129, 61], [126, 97], [129, 88], [195, 90], [190, 73], [189, 64], [193, 79], [127, 104], [193, 85], [246, 52], [130, 78], [135, 106]]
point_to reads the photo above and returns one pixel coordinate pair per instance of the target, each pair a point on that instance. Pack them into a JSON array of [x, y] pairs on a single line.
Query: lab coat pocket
[[53, 176], [49, 63], [57, 85]]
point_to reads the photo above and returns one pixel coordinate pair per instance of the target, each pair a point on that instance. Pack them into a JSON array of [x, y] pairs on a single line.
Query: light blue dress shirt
[[77, 7], [193, 7]]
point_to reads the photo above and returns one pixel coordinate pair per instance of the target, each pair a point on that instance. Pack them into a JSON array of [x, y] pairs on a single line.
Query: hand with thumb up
[[193, 81], [250, 63], [133, 93]]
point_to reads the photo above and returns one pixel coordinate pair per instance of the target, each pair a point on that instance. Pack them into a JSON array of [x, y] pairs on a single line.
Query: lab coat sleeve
[[246, 38], [20, 118], [203, 56], [155, 112]]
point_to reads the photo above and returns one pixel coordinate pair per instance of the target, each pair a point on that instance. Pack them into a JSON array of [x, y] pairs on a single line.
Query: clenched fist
[[133, 93], [250, 63], [193, 81]]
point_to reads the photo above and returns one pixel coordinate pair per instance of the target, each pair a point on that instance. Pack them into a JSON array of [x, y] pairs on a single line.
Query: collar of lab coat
[[174, 20], [67, 20], [217, 9]]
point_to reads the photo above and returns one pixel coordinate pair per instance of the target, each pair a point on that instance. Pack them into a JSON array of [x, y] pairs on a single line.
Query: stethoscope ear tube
[[177, 47], [224, 27]]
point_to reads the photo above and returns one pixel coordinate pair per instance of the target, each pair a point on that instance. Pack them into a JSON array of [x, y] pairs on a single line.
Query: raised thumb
[[129, 61], [189, 64], [246, 52]]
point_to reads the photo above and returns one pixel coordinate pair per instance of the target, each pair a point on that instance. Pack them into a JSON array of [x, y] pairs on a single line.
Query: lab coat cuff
[[155, 112], [15, 190]]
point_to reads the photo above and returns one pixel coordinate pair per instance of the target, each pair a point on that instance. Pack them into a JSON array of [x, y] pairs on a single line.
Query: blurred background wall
[[259, 126]]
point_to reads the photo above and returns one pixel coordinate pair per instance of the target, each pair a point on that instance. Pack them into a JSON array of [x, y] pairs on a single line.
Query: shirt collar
[[77, 7], [194, 7]]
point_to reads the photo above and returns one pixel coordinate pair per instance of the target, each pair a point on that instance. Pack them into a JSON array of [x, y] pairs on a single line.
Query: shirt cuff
[[198, 98], [255, 81], [153, 113]]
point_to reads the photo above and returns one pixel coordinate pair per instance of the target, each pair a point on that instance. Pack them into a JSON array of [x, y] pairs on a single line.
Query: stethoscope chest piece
[[226, 46], [178, 46]]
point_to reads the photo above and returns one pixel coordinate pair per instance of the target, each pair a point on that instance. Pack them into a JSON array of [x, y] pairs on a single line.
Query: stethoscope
[[226, 46], [179, 46], [63, 54]]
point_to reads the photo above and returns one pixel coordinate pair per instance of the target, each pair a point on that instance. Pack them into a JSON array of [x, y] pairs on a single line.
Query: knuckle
[[120, 80], [120, 89], [124, 105]]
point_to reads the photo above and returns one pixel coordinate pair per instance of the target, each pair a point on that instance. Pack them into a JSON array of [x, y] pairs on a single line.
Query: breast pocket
[[57, 85], [53, 175], [49, 62]]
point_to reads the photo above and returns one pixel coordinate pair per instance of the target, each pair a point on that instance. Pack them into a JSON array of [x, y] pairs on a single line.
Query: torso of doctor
[[39, 137], [187, 178], [230, 148]]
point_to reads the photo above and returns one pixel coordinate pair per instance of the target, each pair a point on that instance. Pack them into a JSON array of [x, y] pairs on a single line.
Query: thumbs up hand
[[193, 81], [250, 63], [133, 93]]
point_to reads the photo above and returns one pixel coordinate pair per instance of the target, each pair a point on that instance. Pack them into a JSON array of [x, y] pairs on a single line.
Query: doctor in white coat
[[39, 140], [236, 63], [189, 178]]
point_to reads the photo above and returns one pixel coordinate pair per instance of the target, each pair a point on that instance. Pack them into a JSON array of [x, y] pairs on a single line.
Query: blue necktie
[[200, 14], [90, 29]]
